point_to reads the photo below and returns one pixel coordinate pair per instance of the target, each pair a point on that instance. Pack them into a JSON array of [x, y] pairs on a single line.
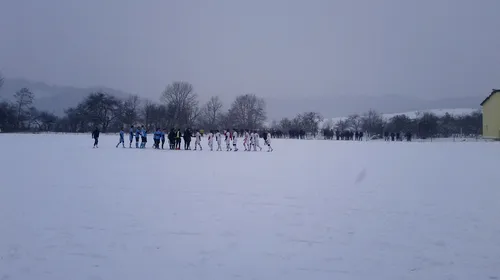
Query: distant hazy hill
[[53, 98], [56, 99]]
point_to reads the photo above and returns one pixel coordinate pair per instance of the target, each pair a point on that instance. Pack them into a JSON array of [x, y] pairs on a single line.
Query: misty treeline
[[372, 123], [179, 107], [424, 125]]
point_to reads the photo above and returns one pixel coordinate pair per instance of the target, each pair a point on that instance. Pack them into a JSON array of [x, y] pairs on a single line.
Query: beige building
[[491, 115]]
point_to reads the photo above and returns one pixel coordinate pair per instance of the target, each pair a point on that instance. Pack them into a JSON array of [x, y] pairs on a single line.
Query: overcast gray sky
[[272, 48]]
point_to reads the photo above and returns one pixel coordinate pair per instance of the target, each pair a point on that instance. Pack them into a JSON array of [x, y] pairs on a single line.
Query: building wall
[[491, 117]]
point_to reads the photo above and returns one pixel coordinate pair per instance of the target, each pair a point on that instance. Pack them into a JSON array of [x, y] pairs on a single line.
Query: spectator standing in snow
[[95, 136]]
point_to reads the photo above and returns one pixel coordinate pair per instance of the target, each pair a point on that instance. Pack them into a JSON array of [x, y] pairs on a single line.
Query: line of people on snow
[[397, 136], [251, 139], [329, 134]]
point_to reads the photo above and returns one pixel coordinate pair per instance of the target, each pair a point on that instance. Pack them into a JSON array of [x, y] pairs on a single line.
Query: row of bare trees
[[21, 115], [308, 123], [423, 125], [179, 107]]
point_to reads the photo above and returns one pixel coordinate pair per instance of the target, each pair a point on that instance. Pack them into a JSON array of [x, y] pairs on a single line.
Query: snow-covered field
[[309, 210]]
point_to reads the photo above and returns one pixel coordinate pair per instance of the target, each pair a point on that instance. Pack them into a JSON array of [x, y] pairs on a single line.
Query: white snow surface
[[308, 210]]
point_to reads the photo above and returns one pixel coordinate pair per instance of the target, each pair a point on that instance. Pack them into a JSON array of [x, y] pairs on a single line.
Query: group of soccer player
[[251, 139]]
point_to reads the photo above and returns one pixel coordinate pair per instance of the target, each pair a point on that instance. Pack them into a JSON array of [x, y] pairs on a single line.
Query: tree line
[[424, 125], [179, 107]]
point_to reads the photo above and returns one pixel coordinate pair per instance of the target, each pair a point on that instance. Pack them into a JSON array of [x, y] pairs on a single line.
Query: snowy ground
[[309, 210]]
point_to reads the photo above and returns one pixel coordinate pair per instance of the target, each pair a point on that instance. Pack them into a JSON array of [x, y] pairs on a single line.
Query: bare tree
[[225, 120], [297, 122], [342, 125], [310, 122], [274, 124], [248, 111], [372, 122], [46, 121], [212, 113], [130, 110], [24, 101], [8, 113], [1, 80], [193, 118], [148, 111], [328, 124], [355, 121], [181, 99], [101, 109], [286, 125]]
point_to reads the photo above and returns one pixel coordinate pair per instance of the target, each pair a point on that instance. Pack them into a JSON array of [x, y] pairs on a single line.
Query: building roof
[[493, 92]]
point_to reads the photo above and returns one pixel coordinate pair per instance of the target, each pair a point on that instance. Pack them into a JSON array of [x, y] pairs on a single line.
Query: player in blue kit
[[122, 138], [131, 135], [137, 136], [144, 138]]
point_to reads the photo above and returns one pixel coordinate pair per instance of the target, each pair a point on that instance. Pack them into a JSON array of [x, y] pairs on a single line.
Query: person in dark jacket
[[178, 136], [163, 137], [187, 139], [131, 135], [95, 136], [137, 136], [171, 139]]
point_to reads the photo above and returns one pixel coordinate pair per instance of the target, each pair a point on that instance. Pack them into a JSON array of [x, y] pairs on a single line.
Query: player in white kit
[[268, 142], [246, 138], [211, 140], [218, 138], [235, 140], [251, 143], [228, 140], [197, 141], [256, 141]]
